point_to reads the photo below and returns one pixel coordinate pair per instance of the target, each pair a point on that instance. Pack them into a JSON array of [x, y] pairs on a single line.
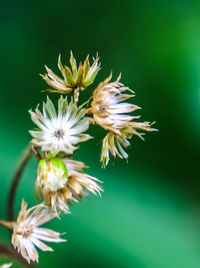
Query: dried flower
[[73, 78], [78, 181], [27, 234], [107, 107], [109, 111], [62, 131], [114, 143], [57, 189]]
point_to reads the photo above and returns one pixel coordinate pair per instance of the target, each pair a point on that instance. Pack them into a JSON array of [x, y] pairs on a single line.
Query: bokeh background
[[149, 213]]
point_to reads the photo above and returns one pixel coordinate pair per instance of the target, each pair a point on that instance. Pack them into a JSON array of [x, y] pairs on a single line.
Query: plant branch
[[13, 188]]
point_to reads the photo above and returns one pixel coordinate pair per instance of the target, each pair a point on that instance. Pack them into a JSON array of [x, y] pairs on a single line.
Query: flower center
[[102, 107], [55, 181], [59, 134], [25, 231]]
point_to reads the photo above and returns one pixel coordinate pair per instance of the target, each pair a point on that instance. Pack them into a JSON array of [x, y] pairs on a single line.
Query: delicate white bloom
[[74, 78], [110, 112], [27, 234], [8, 265], [61, 181], [59, 131]]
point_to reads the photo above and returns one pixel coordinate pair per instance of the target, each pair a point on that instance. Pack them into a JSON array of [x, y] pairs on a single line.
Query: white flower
[[59, 131], [27, 234]]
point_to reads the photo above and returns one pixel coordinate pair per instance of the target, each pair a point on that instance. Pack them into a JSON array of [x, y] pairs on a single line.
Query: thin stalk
[[76, 94], [13, 188], [8, 224]]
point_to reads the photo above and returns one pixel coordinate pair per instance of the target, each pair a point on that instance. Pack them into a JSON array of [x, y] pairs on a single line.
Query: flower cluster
[[61, 179]]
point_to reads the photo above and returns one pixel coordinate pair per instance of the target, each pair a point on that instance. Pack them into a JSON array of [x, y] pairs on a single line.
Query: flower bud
[[52, 174]]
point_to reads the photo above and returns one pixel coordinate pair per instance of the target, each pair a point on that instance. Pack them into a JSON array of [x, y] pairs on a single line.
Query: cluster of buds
[[59, 130]]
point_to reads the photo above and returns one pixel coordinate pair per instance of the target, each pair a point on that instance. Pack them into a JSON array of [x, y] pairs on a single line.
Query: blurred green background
[[149, 213]]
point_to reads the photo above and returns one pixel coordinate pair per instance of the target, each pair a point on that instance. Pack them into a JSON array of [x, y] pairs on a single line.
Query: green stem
[[13, 188]]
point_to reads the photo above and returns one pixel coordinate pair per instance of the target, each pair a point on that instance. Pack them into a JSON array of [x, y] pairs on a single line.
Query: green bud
[[52, 174]]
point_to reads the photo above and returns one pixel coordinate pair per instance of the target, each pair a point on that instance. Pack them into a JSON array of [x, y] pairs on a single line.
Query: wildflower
[[57, 188], [80, 77], [27, 234], [59, 131], [110, 112]]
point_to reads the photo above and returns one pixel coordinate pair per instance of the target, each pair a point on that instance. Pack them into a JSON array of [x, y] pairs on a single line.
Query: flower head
[[110, 112], [58, 189], [108, 107], [53, 174], [73, 78], [27, 234], [59, 131]]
